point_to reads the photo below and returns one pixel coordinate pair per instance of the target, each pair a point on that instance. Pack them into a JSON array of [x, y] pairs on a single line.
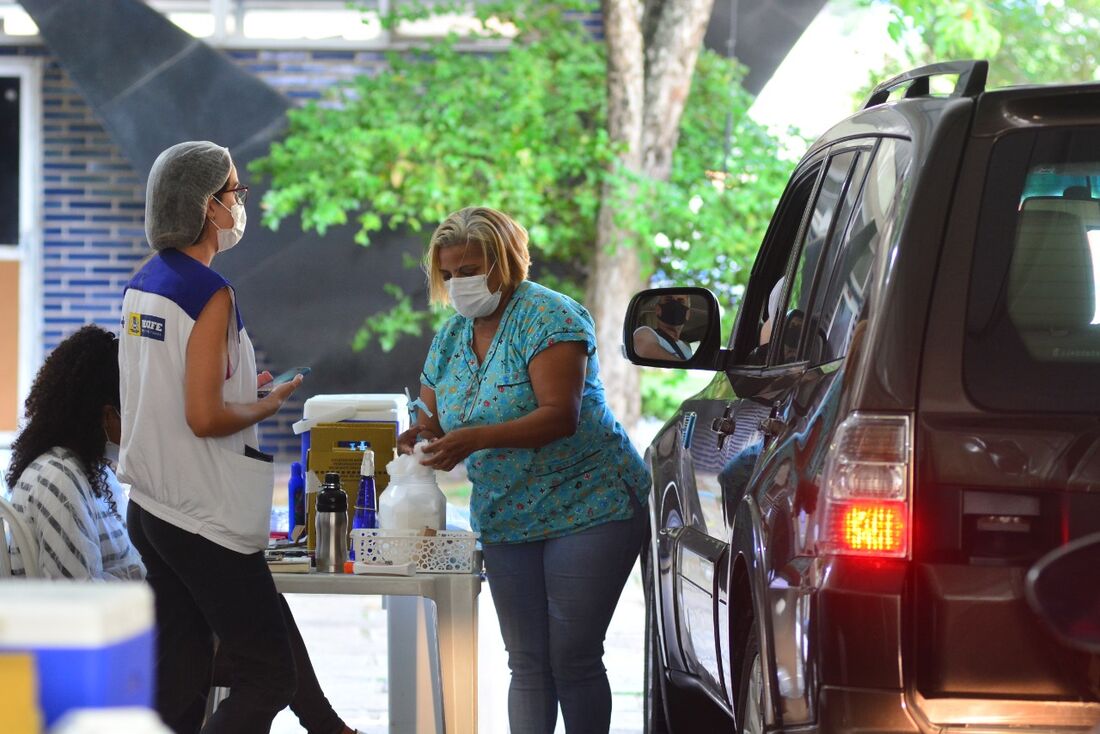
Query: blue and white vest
[[201, 485]]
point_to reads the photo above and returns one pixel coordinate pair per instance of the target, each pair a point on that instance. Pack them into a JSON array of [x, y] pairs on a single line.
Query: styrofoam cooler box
[[92, 642], [386, 407]]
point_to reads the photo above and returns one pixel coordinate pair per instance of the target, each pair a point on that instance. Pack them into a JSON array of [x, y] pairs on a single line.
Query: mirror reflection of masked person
[[663, 342]]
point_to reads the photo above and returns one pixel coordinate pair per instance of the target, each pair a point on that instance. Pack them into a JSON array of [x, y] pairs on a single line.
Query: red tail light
[[866, 488], [874, 527]]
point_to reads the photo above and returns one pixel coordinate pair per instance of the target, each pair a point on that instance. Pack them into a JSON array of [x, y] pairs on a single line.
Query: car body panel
[[843, 639]]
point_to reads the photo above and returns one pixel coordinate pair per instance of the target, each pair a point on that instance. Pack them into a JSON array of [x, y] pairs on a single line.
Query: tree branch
[[616, 265], [670, 63], [622, 21]]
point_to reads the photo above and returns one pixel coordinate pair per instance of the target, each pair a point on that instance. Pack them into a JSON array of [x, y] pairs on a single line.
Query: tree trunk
[[652, 46], [670, 59], [616, 269]]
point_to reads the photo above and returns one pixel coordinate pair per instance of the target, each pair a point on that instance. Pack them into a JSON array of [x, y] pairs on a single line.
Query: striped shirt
[[77, 534]]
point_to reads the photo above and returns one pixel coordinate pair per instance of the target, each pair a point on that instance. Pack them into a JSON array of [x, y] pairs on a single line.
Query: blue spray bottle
[[366, 504], [296, 497]]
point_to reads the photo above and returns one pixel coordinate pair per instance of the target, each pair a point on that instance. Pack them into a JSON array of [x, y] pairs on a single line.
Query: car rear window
[[1033, 313]]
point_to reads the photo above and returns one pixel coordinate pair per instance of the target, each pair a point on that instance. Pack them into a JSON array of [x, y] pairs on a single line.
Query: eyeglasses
[[241, 192]]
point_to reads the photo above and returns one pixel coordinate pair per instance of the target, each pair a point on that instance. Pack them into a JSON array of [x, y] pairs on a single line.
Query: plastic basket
[[448, 551]]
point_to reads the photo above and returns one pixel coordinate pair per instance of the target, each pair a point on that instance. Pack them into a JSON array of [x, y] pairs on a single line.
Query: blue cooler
[[92, 642]]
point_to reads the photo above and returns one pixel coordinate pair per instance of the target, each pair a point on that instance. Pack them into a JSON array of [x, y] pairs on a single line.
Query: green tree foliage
[[706, 222], [1025, 41], [523, 129], [664, 390]]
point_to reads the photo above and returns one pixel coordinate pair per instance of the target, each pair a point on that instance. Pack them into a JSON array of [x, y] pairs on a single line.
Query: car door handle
[[772, 427], [724, 425]]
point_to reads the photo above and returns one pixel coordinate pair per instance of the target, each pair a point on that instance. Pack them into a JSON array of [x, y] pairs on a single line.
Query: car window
[[751, 338], [1033, 307], [793, 317], [841, 302]]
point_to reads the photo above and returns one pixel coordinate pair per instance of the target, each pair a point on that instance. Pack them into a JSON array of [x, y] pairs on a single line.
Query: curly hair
[[65, 407]]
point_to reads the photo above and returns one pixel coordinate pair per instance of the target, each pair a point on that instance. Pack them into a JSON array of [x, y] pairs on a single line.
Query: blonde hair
[[502, 240]]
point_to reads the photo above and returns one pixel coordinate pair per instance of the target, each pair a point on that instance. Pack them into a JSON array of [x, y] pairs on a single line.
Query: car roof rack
[[971, 83]]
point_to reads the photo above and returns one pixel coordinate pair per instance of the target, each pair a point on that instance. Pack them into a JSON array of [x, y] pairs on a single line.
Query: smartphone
[[285, 377]]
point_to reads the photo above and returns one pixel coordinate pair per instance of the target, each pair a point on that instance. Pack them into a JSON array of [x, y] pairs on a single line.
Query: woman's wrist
[[482, 437], [269, 406]]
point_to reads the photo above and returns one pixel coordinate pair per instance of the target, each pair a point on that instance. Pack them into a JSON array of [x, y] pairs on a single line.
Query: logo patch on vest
[[139, 324]]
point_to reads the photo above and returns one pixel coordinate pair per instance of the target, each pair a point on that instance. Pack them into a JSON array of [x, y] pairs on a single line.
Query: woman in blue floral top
[[513, 383]]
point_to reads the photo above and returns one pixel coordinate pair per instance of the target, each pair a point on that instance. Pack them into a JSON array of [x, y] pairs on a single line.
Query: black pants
[[203, 590]]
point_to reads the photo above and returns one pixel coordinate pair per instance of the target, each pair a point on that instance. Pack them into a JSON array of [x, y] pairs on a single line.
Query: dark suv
[[906, 417]]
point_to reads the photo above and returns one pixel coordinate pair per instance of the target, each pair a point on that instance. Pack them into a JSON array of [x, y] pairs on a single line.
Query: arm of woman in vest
[[557, 379], [208, 415]]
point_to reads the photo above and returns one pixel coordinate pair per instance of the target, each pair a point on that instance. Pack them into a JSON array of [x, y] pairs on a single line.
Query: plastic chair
[[21, 538]]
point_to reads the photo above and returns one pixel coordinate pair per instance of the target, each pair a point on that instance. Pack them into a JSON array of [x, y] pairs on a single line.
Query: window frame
[[824, 258], [1059, 383], [869, 151], [28, 251], [770, 258]]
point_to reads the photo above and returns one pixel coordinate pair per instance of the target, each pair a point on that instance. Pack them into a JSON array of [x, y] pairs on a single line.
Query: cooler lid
[[363, 403], [37, 613]]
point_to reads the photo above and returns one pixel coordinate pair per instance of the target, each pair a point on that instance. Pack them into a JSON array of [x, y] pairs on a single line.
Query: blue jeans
[[554, 599]]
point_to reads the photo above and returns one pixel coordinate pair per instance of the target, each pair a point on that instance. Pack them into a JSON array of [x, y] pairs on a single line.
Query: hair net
[[181, 182]]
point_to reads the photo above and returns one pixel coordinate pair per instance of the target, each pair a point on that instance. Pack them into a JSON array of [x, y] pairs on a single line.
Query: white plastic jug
[[412, 499]]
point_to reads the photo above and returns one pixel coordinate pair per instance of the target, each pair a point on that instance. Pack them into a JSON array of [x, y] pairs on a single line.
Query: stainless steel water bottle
[[332, 526]]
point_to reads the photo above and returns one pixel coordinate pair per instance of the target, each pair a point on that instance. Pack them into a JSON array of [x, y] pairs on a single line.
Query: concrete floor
[[346, 637]]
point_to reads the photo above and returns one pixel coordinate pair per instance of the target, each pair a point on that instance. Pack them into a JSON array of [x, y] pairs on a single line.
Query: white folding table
[[413, 625]]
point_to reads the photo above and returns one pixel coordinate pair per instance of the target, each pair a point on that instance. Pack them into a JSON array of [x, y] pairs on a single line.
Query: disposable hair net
[[181, 182]]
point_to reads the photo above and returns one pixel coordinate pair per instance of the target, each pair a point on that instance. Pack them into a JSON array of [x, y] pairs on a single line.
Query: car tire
[[750, 698]]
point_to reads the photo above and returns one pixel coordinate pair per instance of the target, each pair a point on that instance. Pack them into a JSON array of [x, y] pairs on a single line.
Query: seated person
[[664, 342], [63, 487], [791, 328]]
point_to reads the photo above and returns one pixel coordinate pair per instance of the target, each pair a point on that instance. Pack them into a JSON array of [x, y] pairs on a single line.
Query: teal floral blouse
[[533, 494]]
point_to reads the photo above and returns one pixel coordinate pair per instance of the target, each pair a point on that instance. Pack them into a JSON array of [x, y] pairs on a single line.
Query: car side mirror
[[1062, 590], [673, 327]]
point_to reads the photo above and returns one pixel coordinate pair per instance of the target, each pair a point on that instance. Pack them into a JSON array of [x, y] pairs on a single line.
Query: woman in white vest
[[201, 492]]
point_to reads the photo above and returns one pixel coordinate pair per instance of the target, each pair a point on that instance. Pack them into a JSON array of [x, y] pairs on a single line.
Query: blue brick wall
[[92, 211], [93, 202]]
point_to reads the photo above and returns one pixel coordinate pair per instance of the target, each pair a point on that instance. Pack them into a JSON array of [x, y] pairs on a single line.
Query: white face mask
[[230, 236], [471, 297]]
